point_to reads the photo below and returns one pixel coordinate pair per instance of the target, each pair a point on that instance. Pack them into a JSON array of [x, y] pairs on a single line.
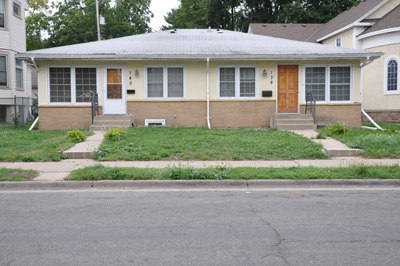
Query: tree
[[37, 24]]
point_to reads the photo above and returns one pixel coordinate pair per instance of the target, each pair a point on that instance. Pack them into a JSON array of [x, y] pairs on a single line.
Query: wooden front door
[[288, 87]]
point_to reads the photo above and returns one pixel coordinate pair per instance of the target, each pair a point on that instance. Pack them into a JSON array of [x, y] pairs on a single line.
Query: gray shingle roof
[[196, 44], [390, 20], [297, 32]]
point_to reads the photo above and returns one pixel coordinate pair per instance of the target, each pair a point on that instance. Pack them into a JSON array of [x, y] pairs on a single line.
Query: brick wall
[[383, 116]]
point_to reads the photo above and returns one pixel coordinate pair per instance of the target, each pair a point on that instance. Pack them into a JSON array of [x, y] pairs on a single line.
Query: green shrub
[[76, 136], [115, 134], [338, 129]]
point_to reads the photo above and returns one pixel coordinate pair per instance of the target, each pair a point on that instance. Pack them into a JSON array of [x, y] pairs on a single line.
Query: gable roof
[[297, 32], [390, 20], [198, 44], [348, 17]]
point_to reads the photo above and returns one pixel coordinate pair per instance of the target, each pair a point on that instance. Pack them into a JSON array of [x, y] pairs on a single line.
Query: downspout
[[208, 93], [362, 65]]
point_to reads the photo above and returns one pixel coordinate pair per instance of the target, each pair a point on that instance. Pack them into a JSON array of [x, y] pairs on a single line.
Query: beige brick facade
[[383, 116]]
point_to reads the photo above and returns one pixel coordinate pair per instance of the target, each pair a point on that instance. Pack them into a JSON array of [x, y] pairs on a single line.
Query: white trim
[[298, 87], [237, 81], [378, 32], [356, 23], [73, 84], [165, 82], [381, 40], [328, 82], [154, 121], [336, 41], [385, 91], [20, 9]]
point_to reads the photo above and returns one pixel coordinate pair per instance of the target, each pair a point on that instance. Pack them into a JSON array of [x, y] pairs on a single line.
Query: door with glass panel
[[114, 90]]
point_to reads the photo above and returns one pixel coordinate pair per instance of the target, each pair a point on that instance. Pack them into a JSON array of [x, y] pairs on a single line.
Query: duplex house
[[197, 77], [15, 75], [372, 25]]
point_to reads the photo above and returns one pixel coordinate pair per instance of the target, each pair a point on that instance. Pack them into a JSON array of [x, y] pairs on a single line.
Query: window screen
[[227, 82], [86, 84], [155, 82], [60, 84], [17, 9], [19, 77], [392, 74], [315, 82], [175, 82], [247, 82], [340, 83]]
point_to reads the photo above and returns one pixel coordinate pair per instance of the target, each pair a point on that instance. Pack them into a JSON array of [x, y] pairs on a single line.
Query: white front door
[[114, 90]]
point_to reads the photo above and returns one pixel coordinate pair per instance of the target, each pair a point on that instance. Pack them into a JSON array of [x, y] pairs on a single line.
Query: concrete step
[[106, 127], [294, 122], [113, 117], [106, 122], [296, 127], [293, 116], [335, 148], [86, 149], [115, 122]]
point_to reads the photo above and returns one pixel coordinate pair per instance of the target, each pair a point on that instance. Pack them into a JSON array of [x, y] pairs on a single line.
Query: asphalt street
[[352, 227]]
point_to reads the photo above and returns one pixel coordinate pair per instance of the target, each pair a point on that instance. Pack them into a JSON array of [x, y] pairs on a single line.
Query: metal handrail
[[310, 102], [95, 106]]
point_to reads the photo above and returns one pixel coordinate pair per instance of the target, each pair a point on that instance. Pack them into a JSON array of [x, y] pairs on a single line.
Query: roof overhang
[[379, 32]]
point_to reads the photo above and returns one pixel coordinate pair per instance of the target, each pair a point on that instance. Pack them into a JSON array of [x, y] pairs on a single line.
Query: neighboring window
[[329, 84], [237, 82], [17, 9], [86, 84], [392, 75], [339, 42], [19, 74], [3, 70], [340, 83], [315, 82], [165, 82], [2, 15], [60, 84]]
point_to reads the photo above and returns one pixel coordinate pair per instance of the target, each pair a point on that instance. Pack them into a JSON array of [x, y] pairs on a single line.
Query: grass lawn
[[155, 143], [100, 172], [17, 174], [20, 144], [376, 144]]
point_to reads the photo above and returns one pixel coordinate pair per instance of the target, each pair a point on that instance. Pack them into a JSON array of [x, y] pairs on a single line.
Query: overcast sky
[[160, 9]]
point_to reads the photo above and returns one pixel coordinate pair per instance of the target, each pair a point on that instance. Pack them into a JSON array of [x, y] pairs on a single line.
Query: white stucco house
[[15, 74]]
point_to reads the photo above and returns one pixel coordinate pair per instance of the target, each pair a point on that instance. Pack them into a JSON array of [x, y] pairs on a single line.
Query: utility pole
[[97, 20]]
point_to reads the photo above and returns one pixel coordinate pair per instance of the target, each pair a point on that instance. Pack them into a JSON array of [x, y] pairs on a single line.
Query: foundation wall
[[383, 116], [347, 113]]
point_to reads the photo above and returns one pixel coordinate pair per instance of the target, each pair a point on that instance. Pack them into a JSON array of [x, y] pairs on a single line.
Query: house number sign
[[272, 77], [130, 78]]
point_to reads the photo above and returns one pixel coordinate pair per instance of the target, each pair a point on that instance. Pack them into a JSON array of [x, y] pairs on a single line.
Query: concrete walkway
[[86, 149]]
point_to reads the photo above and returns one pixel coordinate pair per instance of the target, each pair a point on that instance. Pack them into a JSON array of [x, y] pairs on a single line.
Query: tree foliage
[[74, 21], [238, 14]]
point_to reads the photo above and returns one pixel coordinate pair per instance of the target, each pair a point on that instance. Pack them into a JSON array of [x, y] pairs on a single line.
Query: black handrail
[[310, 102], [95, 106]]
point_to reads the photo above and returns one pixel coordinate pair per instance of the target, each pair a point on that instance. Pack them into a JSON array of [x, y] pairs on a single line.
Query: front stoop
[[106, 122], [292, 122]]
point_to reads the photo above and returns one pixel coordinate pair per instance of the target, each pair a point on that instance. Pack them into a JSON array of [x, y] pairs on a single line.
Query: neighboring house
[[186, 76], [372, 25], [15, 75]]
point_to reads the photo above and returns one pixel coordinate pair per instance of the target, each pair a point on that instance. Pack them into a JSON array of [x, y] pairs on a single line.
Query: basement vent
[[154, 122]]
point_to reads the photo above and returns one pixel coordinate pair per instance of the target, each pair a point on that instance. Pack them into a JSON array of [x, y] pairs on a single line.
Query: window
[[17, 9], [329, 83], [19, 74], [237, 82], [339, 42], [86, 84], [392, 75], [72, 84], [2, 15], [165, 82], [60, 84], [3, 70]]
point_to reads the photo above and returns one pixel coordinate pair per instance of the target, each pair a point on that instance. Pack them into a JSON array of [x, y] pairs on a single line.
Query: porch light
[[265, 73], [137, 72]]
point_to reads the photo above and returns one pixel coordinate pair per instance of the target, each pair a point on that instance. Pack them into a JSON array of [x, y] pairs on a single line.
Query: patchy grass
[[100, 172], [204, 144], [20, 144], [376, 144], [17, 174]]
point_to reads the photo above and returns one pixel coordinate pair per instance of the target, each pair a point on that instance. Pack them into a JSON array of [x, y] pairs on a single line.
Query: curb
[[198, 184]]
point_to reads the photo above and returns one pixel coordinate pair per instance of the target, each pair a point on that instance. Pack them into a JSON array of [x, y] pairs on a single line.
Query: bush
[[76, 136], [115, 134], [338, 129]]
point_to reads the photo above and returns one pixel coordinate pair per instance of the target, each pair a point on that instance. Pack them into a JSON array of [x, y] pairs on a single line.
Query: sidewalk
[[57, 171]]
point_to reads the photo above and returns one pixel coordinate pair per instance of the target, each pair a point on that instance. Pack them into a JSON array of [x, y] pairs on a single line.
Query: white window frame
[[237, 81], [385, 83], [165, 82], [338, 41], [5, 14], [328, 82], [7, 73], [73, 84], [20, 9], [21, 67]]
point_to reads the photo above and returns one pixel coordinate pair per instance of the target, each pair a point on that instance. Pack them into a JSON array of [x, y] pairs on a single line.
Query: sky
[[160, 9]]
